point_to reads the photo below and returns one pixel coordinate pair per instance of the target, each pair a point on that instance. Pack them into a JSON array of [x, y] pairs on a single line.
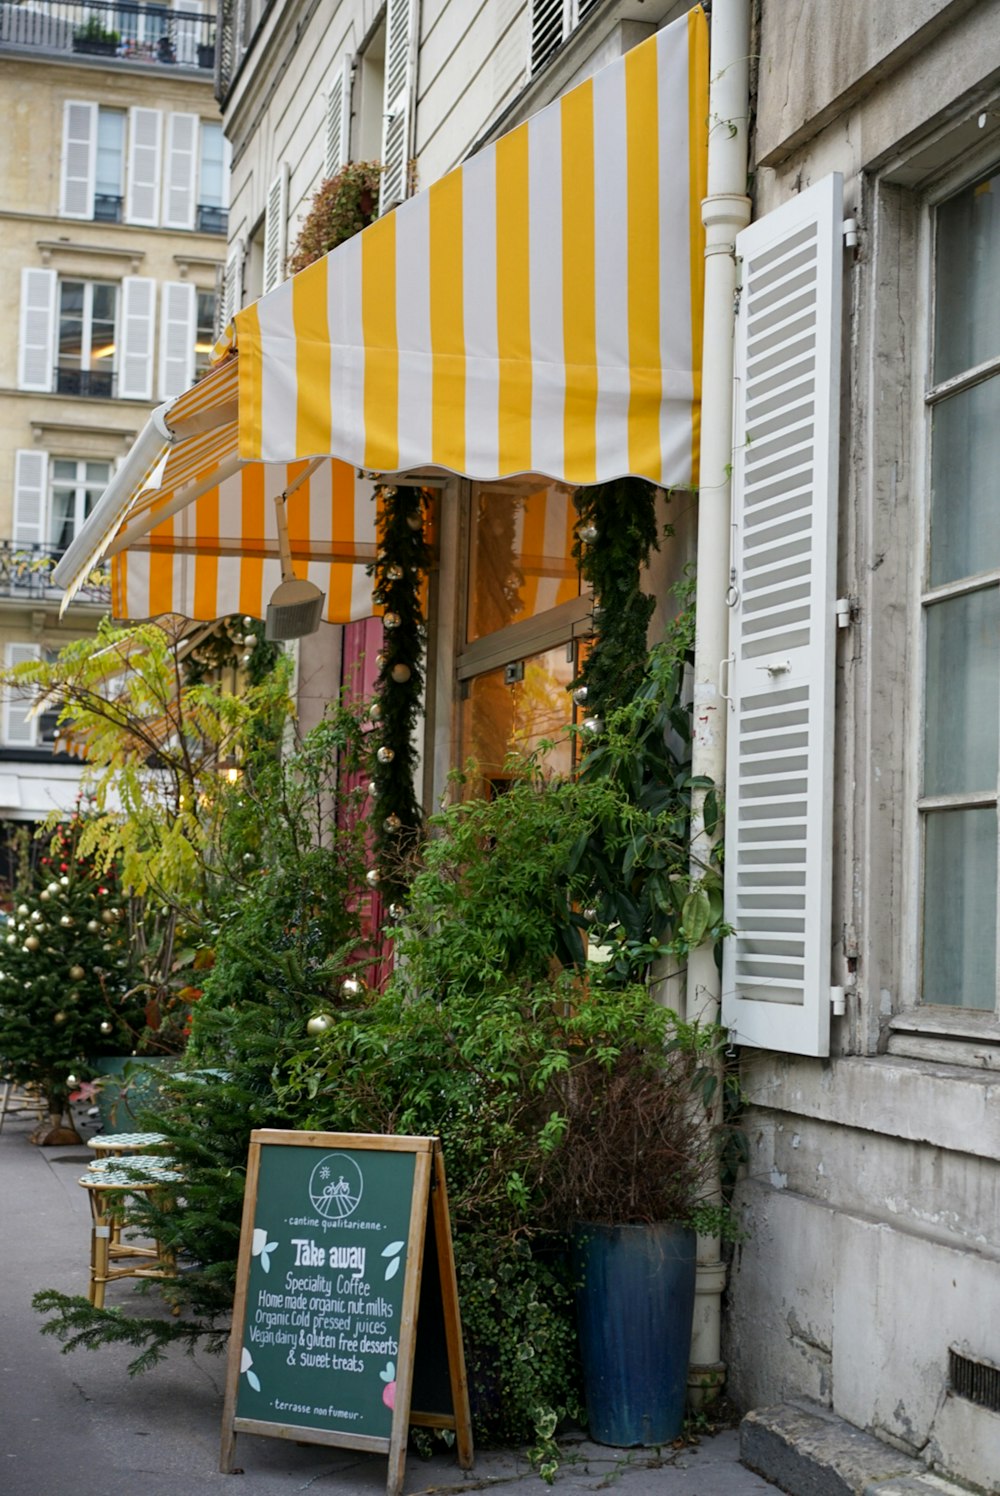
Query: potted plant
[[92, 38], [628, 1182]]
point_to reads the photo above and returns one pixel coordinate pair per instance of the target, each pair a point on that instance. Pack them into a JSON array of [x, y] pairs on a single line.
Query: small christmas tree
[[64, 973]]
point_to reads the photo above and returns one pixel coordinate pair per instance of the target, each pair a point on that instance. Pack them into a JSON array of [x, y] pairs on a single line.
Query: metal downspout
[[724, 212]]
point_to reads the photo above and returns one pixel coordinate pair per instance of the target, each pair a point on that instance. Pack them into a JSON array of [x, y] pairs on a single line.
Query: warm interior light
[[108, 351]]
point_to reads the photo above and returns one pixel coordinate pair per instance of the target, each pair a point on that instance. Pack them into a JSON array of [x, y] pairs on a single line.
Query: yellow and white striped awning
[[536, 311]]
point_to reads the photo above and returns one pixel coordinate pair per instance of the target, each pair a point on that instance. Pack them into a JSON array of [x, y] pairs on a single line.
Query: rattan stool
[[108, 1182]]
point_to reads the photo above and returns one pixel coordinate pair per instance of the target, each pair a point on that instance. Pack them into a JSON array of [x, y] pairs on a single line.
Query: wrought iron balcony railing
[[97, 384], [127, 31], [26, 575]]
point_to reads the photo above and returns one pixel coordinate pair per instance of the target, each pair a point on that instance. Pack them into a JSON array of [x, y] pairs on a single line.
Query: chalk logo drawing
[[336, 1185]]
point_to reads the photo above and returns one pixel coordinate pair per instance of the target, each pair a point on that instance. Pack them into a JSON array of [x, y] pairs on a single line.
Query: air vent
[[978, 1381]]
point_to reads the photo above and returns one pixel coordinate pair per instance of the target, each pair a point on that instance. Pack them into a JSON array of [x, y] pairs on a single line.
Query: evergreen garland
[[403, 558], [614, 537]]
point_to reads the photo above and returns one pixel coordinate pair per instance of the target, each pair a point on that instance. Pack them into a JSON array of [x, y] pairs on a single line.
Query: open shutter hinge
[[847, 610], [850, 231], [838, 1000]]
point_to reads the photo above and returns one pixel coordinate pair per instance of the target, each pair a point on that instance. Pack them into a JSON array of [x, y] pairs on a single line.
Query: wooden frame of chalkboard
[[318, 1353]]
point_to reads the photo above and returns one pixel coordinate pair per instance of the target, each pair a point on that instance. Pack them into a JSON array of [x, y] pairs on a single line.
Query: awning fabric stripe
[[536, 310]]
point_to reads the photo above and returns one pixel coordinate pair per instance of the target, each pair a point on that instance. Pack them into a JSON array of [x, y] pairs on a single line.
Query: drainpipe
[[724, 212]]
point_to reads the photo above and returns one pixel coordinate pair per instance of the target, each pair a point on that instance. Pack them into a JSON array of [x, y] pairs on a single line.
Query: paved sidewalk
[[79, 1421]]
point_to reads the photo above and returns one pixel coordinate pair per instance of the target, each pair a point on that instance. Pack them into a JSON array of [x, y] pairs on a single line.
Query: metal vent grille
[[977, 1381]]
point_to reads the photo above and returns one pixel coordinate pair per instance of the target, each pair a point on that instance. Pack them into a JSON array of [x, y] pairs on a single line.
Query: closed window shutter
[[178, 329], [275, 225], [180, 177], [79, 159], [397, 109], [30, 480], [36, 339], [20, 730], [138, 313], [338, 120], [231, 296], [779, 776], [145, 134]]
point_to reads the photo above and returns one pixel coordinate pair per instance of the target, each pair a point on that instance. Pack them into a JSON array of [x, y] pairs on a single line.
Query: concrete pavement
[[79, 1421]]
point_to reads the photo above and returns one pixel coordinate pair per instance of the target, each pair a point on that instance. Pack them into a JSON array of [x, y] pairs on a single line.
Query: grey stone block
[[810, 1452]]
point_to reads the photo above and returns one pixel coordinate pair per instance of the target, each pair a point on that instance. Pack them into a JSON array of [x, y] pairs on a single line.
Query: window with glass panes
[[85, 357], [961, 609], [204, 338], [212, 217], [75, 489], [109, 177]]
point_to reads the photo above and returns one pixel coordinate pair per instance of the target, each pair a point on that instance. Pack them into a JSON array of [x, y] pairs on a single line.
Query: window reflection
[[521, 562], [504, 721]]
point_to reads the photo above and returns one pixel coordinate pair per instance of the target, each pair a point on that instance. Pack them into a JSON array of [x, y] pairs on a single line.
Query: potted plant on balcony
[[92, 38]]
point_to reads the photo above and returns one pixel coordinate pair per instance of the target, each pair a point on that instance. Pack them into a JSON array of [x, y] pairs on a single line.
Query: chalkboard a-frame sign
[[332, 1285]]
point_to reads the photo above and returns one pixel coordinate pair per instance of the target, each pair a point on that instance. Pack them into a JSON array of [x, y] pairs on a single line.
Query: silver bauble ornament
[[72, 1082], [318, 1024], [351, 987], [247, 621], [385, 755], [66, 920], [94, 926], [12, 939], [590, 913], [593, 725], [391, 620], [63, 882], [415, 521], [371, 877], [380, 660], [23, 910], [52, 888], [76, 973], [372, 788], [401, 673], [392, 823], [36, 915], [394, 573], [248, 859], [32, 943], [374, 711], [396, 911], [580, 695], [588, 534], [105, 1027]]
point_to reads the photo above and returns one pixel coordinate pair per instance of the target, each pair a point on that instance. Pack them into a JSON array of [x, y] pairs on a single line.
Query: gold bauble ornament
[[59, 1018], [32, 943], [318, 1024], [394, 573], [351, 987], [66, 920], [94, 926], [105, 1027], [77, 973], [401, 673], [52, 889], [45, 896], [391, 620], [107, 917], [23, 910], [36, 915], [12, 939]]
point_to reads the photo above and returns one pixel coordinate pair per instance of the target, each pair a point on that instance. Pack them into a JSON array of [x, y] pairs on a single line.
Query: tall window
[[961, 605], [109, 180], [212, 186], [76, 487], [205, 331], [85, 359]]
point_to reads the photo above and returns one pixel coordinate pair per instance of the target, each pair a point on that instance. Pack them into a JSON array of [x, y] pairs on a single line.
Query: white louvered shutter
[[19, 729], [275, 226], [79, 159], [145, 136], [779, 777], [135, 338], [231, 295], [338, 119], [548, 30], [31, 470], [178, 330], [188, 33], [36, 355], [181, 171], [400, 42]]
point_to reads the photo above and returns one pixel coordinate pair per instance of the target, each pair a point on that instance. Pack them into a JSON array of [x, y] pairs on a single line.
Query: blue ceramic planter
[[635, 1305]]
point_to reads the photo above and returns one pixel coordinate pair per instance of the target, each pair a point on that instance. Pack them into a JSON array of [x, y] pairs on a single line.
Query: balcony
[[26, 575], [128, 32], [95, 384], [212, 220]]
